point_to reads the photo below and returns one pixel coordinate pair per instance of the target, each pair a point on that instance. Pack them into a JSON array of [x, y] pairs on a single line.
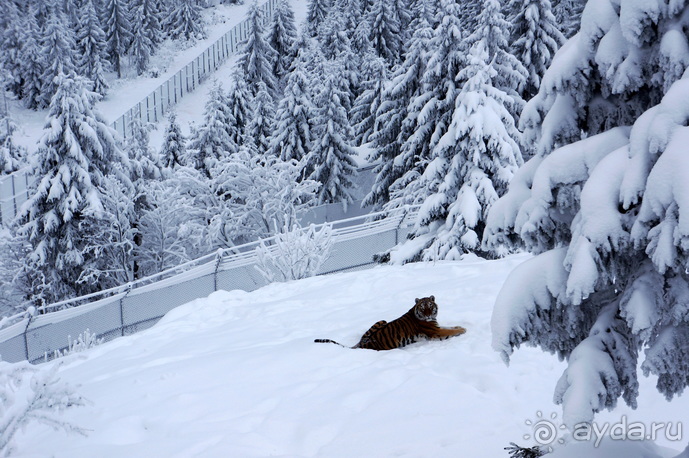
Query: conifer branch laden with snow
[[605, 214], [33, 394]]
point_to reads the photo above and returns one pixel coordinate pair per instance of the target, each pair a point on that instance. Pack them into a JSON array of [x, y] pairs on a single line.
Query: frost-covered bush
[[296, 253], [83, 342], [605, 208], [33, 394]]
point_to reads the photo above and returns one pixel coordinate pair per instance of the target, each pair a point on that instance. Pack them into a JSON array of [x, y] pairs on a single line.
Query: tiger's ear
[[433, 298], [417, 300]]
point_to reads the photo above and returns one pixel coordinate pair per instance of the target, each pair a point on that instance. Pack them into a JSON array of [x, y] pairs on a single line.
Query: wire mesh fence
[[136, 306], [14, 191]]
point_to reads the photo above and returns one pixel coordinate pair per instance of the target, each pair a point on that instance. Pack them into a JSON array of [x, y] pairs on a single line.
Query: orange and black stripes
[[417, 324]]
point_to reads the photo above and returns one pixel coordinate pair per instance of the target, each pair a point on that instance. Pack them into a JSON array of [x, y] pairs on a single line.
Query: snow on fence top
[[138, 305]]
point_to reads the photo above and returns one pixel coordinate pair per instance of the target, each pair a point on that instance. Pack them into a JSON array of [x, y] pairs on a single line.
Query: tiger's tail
[[329, 341]]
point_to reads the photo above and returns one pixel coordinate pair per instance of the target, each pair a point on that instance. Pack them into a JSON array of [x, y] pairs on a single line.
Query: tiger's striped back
[[417, 324]]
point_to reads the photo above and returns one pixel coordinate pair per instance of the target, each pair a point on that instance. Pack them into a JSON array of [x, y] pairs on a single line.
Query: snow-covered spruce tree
[[568, 15], [493, 30], [239, 101], [257, 58], [363, 113], [118, 31], [212, 142], [475, 159], [32, 63], [282, 34], [262, 123], [292, 136], [74, 154], [142, 162], [317, 12], [385, 31], [184, 21], [14, 289], [263, 193], [535, 39], [351, 11], [12, 156], [606, 213], [12, 28], [335, 46], [91, 45], [42, 11], [173, 150], [332, 36], [394, 122], [430, 112], [147, 33], [58, 50], [404, 12], [331, 154]]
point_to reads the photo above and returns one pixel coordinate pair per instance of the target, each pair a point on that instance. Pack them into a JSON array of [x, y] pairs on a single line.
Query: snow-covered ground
[[238, 375]]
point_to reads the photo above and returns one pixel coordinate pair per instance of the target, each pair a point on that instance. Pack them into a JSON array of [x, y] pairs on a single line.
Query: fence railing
[[14, 188], [153, 107], [14, 191], [138, 305]]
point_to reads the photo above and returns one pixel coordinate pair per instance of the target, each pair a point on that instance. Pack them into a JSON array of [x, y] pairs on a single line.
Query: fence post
[[30, 312], [14, 195], [126, 293], [218, 260], [397, 229]]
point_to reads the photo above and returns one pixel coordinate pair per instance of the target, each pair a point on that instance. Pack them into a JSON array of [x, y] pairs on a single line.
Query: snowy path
[[238, 375]]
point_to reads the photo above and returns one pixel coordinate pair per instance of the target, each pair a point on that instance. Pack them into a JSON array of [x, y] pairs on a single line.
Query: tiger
[[417, 324]]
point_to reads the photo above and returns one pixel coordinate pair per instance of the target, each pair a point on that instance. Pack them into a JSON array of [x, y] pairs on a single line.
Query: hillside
[[238, 374]]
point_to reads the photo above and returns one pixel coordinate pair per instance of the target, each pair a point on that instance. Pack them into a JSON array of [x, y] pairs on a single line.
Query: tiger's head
[[426, 309]]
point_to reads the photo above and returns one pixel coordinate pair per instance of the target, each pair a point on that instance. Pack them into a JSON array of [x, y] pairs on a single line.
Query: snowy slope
[[238, 375]]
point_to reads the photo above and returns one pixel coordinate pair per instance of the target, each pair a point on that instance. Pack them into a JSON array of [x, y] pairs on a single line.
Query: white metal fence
[[14, 191], [14, 188], [138, 305]]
